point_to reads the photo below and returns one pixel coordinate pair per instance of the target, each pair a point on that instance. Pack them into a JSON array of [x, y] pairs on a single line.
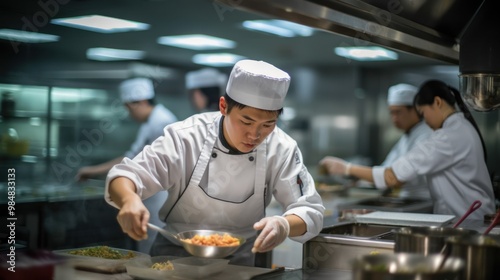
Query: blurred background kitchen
[[61, 109]]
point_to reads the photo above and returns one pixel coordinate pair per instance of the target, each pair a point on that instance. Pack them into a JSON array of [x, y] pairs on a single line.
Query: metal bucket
[[481, 254], [406, 266], [425, 240]]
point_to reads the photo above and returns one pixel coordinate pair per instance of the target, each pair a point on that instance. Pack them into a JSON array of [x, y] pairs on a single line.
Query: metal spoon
[[163, 232]]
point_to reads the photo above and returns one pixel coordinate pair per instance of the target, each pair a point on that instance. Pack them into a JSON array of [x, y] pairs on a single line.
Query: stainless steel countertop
[[52, 192], [289, 274]]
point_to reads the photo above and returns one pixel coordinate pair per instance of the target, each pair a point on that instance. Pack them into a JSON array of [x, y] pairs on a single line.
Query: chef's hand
[[334, 165], [274, 231], [84, 173], [133, 219]]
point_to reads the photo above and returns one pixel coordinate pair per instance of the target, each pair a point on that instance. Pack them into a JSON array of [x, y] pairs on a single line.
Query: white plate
[[404, 219]]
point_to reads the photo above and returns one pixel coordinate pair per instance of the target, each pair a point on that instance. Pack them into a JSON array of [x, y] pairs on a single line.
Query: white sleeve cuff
[[378, 177]]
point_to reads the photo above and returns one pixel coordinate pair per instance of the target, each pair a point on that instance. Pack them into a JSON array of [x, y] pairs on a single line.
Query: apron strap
[[206, 152]]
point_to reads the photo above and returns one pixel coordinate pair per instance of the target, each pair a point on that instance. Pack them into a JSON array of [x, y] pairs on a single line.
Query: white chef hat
[[401, 94], [136, 89], [258, 84], [206, 77]]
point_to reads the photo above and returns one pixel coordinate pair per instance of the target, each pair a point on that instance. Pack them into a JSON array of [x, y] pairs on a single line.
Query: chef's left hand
[[274, 231]]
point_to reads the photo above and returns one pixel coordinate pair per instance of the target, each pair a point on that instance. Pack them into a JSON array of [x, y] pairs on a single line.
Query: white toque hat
[[206, 77], [401, 94], [136, 89], [258, 84]]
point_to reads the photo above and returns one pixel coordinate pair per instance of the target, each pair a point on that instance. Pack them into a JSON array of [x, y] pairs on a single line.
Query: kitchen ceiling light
[[281, 28], [344, 122], [107, 54], [366, 53], [196, 42], [217, 59], [26, 36], [101, 24]]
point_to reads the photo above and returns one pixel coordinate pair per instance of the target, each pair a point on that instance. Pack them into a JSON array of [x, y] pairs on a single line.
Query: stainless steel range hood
[[423, 27], [427, 28]]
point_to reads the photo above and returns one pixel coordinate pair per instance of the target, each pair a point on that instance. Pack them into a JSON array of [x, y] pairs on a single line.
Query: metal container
[[361, 231], [406, 266], [481, 254], [425, 240], [337, 246]]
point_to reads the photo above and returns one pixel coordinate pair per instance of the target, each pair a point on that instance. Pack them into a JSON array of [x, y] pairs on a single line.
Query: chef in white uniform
[[137, 94], [404, 116], [452, 158], [205, 87], [221, 170]]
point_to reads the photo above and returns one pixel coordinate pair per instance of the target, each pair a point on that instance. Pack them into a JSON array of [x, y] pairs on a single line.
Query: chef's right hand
[[334, 165], [133, 219]]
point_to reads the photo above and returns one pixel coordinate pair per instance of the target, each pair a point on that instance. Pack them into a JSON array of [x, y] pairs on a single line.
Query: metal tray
[[100, 265], [404, 219]]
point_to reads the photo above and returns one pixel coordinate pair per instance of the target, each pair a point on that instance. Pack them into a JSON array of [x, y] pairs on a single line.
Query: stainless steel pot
[[481, 254], [406, 266], [425, 240]]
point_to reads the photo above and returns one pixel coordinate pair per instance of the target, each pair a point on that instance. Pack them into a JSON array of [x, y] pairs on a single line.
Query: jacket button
[[251, 158], [214, 155]]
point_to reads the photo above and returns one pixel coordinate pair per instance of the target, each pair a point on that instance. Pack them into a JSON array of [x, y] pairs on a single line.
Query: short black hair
[[231, 103]]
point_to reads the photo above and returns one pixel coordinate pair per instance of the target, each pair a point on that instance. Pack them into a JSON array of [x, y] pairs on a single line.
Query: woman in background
[[452, 158]]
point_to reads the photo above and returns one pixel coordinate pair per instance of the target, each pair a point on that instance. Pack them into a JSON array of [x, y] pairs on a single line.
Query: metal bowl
[[406, 266], [425, 240], [208, 251], [481, 253]]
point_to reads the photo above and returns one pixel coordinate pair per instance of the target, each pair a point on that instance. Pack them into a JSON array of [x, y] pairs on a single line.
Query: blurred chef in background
[[205, 86], [404, 117], [138, 96], [453, 158], [222, 169]]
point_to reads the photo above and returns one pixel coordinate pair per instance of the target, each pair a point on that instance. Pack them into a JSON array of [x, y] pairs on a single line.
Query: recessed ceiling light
[[107, 54], [366, 53], [217, 59], [277, 27], [101, 24], [344, 122], [26, 36], [197, 42]]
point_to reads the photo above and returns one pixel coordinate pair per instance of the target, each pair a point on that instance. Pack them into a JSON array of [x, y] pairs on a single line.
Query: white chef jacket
[[169, 162], [453, 160], [417, 187], [151, 129]]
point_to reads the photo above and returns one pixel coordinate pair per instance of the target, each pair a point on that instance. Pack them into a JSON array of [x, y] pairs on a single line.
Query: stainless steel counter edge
[[353, 241]]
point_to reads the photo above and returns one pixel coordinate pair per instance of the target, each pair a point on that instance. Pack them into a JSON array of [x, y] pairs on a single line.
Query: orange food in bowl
[[213, 240]]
